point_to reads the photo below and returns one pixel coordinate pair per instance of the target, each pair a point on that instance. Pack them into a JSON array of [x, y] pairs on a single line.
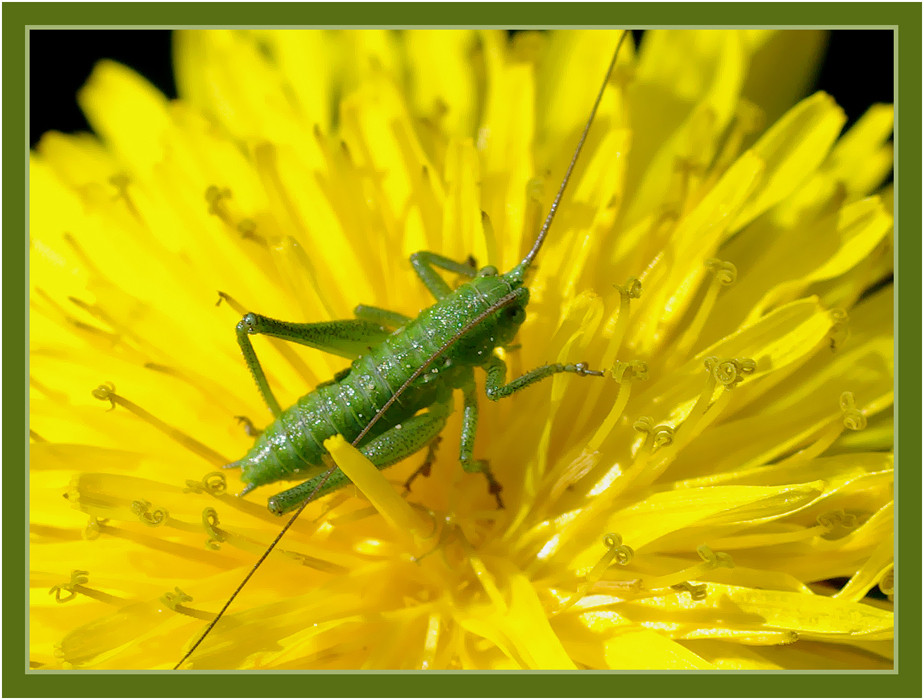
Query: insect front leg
[[496, 388], [350, 338], [469, 428], [392, 446], [425, 264]]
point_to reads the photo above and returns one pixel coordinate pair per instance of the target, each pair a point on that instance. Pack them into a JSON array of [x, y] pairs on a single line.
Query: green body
[[384, 403]]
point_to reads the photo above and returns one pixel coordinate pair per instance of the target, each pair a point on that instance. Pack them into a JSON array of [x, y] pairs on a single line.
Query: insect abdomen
[[292, 446]]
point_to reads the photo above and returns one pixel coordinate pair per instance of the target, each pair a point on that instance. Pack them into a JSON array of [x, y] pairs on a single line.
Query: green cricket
[[395, 397]]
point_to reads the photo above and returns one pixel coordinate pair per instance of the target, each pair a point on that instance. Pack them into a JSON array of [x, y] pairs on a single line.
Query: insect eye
[[488, 271], [516, 314]]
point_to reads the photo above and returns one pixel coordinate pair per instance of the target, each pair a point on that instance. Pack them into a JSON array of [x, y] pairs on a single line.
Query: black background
[[857, 73]]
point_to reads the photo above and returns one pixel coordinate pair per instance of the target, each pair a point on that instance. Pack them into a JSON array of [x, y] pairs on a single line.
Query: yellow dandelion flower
[[689, 511]]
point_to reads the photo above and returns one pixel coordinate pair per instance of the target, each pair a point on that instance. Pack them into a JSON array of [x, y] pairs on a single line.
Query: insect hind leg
[[349, 338], [424, 469], [392, 446]]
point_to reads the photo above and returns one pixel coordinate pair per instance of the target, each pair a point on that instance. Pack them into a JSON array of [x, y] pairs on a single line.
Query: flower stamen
[[632, 289], [840, 330], [76, 586], [616, 551], [723, 274], [837, 523], [218, 535], [748, 119], [728, 373], [618, 322], [85, 260], [678, 195], [53, 394], [697, 591], [851, 418], [175, 601], [118, 330], [94, 527], [154, 517], [711, 560], [121, 181], [217, 199], [213, 483], [887, 583], [624, 373], [210, 523], [107, 392], [248, 230], [656, 436], [110, 339]]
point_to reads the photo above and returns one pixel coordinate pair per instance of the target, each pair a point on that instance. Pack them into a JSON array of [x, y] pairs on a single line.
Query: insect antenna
[[501, 303], [540, 239]]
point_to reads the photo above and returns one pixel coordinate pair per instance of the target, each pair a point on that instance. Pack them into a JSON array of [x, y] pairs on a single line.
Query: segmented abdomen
[[292, 446]]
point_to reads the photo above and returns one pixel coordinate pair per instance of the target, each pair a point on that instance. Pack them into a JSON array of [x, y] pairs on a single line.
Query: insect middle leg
[[424, 469], [496, 388], [467, 443], [469, 428]]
